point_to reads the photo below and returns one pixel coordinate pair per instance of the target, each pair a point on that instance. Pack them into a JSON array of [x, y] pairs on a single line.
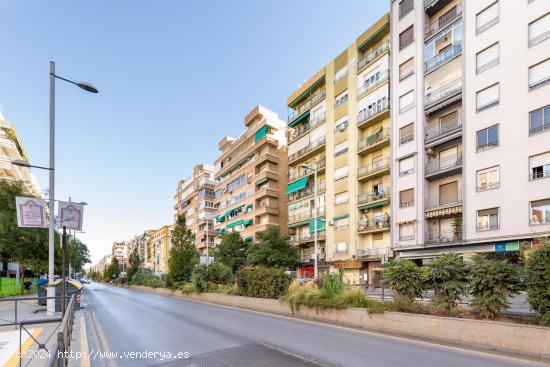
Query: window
[[405, 7], [448, 193], [487, 18], [236, 183], [488, 179], [406, 133], [341, 198], [488, 97], [540, 212], [487, 220], [539, 75], [539, 120], [406, 101], [341, 224], [406, 198], [341, 124], [341, 148], [406, 166], [406, 37], [487, 58], [340, 173], [406, 231], [341, 99], [341, 248], [539, 30], [539, 166], [406, 69], [340, 74], [487, 138]]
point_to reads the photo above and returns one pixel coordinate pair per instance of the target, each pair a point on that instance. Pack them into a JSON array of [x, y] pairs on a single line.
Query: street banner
[[70, 215], [31, 212]]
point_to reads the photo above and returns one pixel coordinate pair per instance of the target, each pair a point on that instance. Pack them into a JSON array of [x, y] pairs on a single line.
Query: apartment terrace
[[447, 166], [445, 129], [306, 215], [370, 85], [443, 57], [433, 6], [443, 22], [367, 117], [375, 253], [305, 127], [374, 169], [319, 165], [443, 96], [306, 191], [307, 238], [295, 116], [373, 55], [373, 225], [308, 151], [374, 142], [373, 199], [443, 237]]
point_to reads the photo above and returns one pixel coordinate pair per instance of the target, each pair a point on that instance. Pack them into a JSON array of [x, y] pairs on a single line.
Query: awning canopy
[[298, 224], [374, 205], [248, 222], [297, 185], [249, 239], [220, 230], [237, 223], [340, 216], [444, 212], [262, 181], [260, 134], [320, 225], [299, 119], [232, 210], [220, 218]]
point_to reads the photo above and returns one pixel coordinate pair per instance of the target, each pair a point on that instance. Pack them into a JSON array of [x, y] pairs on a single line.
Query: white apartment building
[[471, 120]]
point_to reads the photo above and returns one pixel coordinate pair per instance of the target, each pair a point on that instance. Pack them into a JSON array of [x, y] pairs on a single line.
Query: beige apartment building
[[251, 177], [471, 94], [121, 252], [339, 123], [195, 200], [159, 249]]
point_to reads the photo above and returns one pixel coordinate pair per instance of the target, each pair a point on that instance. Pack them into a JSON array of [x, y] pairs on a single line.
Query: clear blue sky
[[174, 78]]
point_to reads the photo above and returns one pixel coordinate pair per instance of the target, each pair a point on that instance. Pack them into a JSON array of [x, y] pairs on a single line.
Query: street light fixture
[[315, 215], [23, 163]]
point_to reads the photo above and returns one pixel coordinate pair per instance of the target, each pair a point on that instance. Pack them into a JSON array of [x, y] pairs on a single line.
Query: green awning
[[248, 239], [294, 225], [320, 225], [260, 134], [220, 231], [248, 222], [297, 185], [340, 216], [375, 36], [249, 207], [262, 181], [374, 205], [299, 119], [237, 223], [220, 219]]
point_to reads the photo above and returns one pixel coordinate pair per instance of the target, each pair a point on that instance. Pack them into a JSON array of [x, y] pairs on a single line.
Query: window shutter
[[487, 15], [539, 72], [487, 96], [540, 160], [488, 55], [539, 27]]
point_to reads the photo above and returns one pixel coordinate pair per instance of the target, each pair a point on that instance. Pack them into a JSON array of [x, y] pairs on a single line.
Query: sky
[[174, 77]]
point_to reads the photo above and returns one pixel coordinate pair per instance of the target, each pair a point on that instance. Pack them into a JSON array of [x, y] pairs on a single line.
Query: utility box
[[73, 287], [42, 285]]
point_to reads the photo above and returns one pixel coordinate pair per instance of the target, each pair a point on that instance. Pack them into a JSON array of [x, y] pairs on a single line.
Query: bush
[[155, 282], [405, 279], [187, 288], [537, 270], [332, 284], [262, 282], [448, 275], [492, 282], [219, 273], [200, 278], [141, 276]]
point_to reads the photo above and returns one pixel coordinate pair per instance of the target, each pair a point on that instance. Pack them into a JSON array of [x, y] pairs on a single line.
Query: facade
[[160, 245], [251, 177], [12, 149], [471, 152], [195, 200], [121, 251], [103, 263], [141, 243], [339, 123]]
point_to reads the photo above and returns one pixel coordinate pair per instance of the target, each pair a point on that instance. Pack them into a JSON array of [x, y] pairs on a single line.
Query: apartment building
[[141, 244], [195, 200], [120, 251], [251, 177], [102, 264], [471, 150], [159, 249], [339, 161]]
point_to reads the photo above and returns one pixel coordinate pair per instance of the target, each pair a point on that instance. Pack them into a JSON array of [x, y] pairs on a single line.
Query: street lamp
[[23, 163], [315, 215], [51, 237]]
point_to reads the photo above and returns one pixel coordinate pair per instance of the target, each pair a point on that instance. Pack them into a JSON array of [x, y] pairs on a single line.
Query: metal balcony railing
[[443, 92], [310, 102], [443, 200], [373, 139], [308, 237], [487, 227], [373, 224], [370, 84], [306, 215], [340, 252], [301, 129], [373, 55], [442, 164], [443, 21], [310, 190], [443, 57], [320, 164], [373, 252], [444, 236], [377, 166], [312, 146], [488, 186], [367, 113], [539, 220], [444, 126], [373, 196]]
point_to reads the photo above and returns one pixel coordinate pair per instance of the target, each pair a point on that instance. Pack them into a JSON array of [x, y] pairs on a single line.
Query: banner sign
[[70, 215], [31, 212]]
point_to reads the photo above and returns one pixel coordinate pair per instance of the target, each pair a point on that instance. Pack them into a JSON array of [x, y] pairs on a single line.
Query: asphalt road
[[122, 320]]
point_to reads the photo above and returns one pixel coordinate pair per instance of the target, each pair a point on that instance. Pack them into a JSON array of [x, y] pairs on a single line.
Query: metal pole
[[63, 287], [51, 195], [315, 214]]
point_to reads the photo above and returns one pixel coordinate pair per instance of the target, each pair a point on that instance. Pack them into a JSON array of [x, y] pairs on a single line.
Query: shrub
[[219, 273], [155, 282], [141, 276], [537, 270], [187, 288], [404, 278], [448, 275], [492, 282], [262, 282], [200, 278], [332, 284]]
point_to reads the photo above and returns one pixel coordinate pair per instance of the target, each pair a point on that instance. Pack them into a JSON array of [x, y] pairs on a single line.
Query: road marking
[[85, 360], [14, 359]]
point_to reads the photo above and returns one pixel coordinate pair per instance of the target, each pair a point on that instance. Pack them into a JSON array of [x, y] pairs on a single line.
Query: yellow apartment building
[[160, 246]]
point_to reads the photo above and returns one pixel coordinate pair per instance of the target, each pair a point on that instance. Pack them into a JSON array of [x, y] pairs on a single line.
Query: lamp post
[[315, 215]]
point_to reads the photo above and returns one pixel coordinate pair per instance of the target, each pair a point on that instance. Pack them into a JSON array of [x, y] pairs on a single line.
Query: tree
[[183, 255], [448, 275], [404, 278], [537, 270], [492, 282], [78, 255], [273, 250], [232, 251], [135, 263], [219, 273], [113, 270]]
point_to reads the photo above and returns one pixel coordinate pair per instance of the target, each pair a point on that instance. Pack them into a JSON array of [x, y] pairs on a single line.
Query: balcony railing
[[310, 190], [367, 113], [443, 21], [487, 227], [443, 127], [319, 165], [443, 57], [373, 139], [442, 164], [308, 237], [444, 236], [312, 146], [310, 102], [370, 197], [373, 252], [377, 166], [301, 129], [340, 252], [370, 84], [373, 55], [444, 200], [373, 224], [444, 92], [486, 186], [539, 220], [306, 215]]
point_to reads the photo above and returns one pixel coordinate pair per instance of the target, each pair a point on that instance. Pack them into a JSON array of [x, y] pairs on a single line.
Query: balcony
[[373, 55], [374, 141], [310, 102], [266, 190], [433, 6], [442, 22], [308, 151], [443, 237], [375, 253], [373, 225], [487, 227], [441, 201], [442, 167], [306, 215], [443, 97], [267, 209], [372, 197], [308, 237], [308, 191], [320, 165], [371, 84], [377, 112], [445, 129], [443, 57], [375, 169], [302, 129]]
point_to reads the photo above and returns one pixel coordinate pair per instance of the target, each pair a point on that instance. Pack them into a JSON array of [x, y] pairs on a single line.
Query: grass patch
[[9, 289]]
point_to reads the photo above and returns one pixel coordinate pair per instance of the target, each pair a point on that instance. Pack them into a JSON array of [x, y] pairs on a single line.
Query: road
[[121, 320]]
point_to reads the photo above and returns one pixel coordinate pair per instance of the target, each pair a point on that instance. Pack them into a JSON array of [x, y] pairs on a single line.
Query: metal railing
[[487, 227], [444, 126], [306, 215], [58, 356], [443, 21], [301, 129], [374, 252], [539, 220], [321, 235], [444, 92], [374, 139], [307, 105], [320, 164], [370, 84], [487, 186], [444, 236], [312, 146], [377, 166], [370, 197], [442, 164], [367, 113], [310, 190], [443, 57], [443, 200], [373, 224], [373, 55]]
